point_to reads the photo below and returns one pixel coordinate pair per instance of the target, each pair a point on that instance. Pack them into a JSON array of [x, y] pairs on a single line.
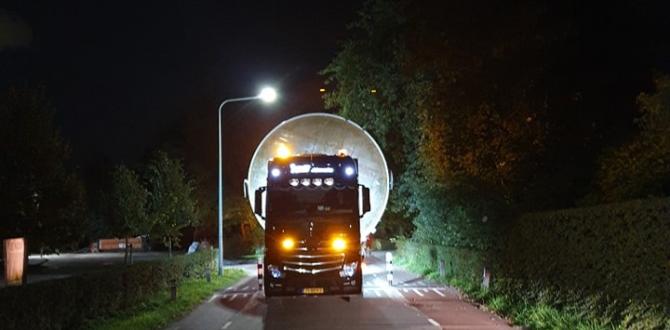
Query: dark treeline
[[60, 205], [487, 109], [490, 111]]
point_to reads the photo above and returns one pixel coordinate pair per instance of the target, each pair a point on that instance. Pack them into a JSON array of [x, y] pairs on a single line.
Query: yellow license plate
[[312, 290]]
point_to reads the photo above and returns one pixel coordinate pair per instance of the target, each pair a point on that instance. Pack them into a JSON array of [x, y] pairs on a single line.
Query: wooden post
[[173, 290], [486, 278], [442, 268]]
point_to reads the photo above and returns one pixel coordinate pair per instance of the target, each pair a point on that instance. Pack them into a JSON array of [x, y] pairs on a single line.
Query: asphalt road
[[410, 303]]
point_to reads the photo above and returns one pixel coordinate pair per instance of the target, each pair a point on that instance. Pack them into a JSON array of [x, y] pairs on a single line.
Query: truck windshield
[[288, 201]]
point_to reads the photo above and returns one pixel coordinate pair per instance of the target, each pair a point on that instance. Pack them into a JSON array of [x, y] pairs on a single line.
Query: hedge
[[618, 250], [67, 303], [606, 265], [459, 263]]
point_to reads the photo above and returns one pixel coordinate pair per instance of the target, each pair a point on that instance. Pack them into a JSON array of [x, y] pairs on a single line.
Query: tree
[[641, 167], [127, 205], [172, 206], [457, 125], [41, 198]]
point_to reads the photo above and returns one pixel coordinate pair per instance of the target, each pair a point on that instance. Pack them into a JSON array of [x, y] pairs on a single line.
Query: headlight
[[275, 272], [339, 244], [305, 182], [329, 181], [287, 243], [317, 181], [348, 270], [294, 182]]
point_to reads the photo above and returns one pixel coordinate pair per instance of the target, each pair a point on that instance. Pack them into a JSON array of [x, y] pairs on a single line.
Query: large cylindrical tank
[[323, 133]]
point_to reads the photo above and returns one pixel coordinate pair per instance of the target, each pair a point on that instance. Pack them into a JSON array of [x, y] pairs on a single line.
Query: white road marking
[[438, 292], [245, 295], [225, 326], [394, 293], [417, 292], [233, 297], [405, 290], [213, 297], [433, 322], [425, 290], [244, 288], [377, 293]]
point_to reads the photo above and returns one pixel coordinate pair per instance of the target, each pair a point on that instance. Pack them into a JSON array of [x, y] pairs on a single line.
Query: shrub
[[600, 267], [67, 303], [619, 250], [459, 263]]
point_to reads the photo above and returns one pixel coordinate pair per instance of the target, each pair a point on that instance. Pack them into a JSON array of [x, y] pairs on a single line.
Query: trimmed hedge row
[[618, 250], [607, 266], [68, 303]]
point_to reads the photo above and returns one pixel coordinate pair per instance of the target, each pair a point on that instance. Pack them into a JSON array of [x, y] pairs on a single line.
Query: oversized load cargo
[[323, 133]]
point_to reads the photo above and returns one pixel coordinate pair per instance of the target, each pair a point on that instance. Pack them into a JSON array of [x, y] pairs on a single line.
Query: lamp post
[[267, 95]]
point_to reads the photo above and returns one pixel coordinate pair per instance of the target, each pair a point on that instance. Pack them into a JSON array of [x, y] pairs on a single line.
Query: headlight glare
[[287, 243], [339, 244]]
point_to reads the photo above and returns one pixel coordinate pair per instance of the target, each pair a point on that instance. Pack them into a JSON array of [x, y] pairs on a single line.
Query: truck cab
[[312, 206]]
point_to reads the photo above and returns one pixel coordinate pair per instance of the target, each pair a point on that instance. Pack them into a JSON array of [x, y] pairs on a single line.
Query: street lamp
[[267, 95]]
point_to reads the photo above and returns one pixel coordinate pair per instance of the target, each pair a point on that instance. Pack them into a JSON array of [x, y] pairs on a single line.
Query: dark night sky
[[125, 77]]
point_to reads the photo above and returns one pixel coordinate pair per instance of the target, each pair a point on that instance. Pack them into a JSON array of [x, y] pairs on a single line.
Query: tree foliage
[[641, 167], [489, 108], [41, 198], [429, 91], [172, 206], [128, 204]]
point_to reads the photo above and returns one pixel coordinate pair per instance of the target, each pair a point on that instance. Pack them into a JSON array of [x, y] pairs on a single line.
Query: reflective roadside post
[[389, 268], [267, 95]]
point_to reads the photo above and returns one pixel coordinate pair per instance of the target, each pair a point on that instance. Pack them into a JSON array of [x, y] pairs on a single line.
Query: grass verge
[[546, 309], [158, 311]]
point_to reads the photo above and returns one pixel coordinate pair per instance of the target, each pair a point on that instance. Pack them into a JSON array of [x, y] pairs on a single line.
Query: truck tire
[[266, 287], [266, 281], [359, 281]]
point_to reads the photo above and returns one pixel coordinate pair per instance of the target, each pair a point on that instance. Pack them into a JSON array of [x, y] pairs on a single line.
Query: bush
[[620, 250], [68, 303], [590, 268], [608, 264], [460, 264]]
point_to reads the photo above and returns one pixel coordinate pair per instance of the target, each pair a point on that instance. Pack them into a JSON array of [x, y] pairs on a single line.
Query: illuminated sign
[[323, 170], [307, 168], [297, 169]]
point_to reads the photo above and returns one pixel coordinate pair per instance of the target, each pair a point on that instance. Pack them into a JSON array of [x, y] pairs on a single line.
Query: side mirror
[[365, 200], [258, 202], [245, 188]]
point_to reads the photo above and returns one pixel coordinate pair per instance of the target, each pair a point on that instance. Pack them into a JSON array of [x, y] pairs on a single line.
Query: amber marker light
[[287, 243], [339, 244], [283, 151]]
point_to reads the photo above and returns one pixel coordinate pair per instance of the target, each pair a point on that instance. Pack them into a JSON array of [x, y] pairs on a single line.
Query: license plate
[[312, 290]]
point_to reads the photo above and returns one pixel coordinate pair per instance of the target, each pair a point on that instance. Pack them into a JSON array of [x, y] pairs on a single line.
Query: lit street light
[[267, 95]]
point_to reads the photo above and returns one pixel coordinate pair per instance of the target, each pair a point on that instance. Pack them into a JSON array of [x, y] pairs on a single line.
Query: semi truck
[[318, 184], [312, 207]]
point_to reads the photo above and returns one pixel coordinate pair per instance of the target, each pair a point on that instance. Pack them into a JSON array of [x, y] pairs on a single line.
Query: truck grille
[[313, 263]]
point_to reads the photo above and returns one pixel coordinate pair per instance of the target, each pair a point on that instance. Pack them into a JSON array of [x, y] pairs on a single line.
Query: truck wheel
[[266, 282], [359, 281], [266, 288]]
